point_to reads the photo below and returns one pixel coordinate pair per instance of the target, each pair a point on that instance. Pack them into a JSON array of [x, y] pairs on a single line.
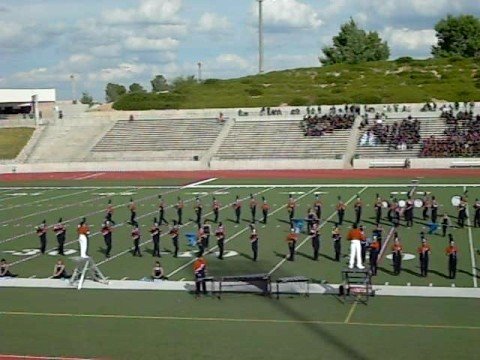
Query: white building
[[21, 100]]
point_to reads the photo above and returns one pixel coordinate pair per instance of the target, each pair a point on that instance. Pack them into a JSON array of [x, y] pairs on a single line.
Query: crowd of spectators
[[461, 137], [319, 125], [399, 135]]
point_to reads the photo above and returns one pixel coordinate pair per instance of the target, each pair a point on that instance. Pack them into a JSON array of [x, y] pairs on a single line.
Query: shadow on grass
[[328, 257], [438, 273], [386, 271], [408, 271]]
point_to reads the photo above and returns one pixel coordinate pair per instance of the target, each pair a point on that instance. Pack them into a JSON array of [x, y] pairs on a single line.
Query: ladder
[[86, 268], [357, 285]]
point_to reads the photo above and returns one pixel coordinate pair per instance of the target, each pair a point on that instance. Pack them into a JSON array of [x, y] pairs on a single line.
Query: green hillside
[[12, 141], [400, 81]]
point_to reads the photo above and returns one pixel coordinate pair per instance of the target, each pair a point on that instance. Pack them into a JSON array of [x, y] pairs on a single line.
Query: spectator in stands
[[320, 125]]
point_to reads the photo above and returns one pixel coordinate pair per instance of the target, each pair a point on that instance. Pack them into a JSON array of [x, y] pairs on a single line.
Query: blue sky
[[43, 42]]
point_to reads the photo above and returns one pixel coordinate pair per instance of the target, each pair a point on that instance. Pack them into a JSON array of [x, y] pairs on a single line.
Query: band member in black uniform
[[340, 211], [237, 207], [42, 235], [363, 243], [179, 207], [409, 212], [107, 237], [4, 272], [220, 234], [157, 271], [155, 232], [60, 271], [424, 256], [311, 219], [337, 242], [392, 205], [434, 210], [378, 209], [254, 241], [200, 272], [133, 213], [397, 250], [174, 234], [446, 223], [452, 252], [317, 206], [374, 251], [253, 208], [265, 208], [378, 232], [358, 205], [161, 211], [207, 230], [397, 213], [476, 219], [198, 210], [215, 209], [291, 205], [315, 236], [462, 213], [60, 231], [109, 212], [426, 206], [136, 240]]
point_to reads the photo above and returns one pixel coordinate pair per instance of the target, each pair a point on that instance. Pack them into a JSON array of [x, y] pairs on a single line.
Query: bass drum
[[418, 203], [456, 200]]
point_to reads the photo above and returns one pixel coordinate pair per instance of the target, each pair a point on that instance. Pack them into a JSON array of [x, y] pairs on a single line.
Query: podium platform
[[357, 285], [86, 269]]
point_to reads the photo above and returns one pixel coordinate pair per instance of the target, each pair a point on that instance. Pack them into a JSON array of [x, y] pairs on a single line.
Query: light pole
[[199, 64], [74, 90], [260, 36]]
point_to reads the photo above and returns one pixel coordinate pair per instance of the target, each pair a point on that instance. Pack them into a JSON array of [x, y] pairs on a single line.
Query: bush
[[139, 101], [404, 60], [254, 92], [211, 81]]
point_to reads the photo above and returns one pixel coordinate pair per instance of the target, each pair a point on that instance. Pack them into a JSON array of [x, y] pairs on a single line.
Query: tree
[[353, 45], [114, 91], [136, 88], [457, 36], [181, 82], [86, 99], [159, 84]]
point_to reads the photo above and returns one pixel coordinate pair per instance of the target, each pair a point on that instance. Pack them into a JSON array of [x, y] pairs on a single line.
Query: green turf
[[411, 81], [12, 141], [175, 325]]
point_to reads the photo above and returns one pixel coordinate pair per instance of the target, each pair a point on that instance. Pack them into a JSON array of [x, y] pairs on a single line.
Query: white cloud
[[137, 43], [232, 61], [123, 71], [149, 11], [284, 14], [106, 50], [211, 22], [408, 39]]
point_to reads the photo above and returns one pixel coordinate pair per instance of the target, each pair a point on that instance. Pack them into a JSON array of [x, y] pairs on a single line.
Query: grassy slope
[[12, 141], [376, 82]]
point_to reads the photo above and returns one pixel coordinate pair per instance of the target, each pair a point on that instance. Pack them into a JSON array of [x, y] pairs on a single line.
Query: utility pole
[[260, 36], [199, 64], [74, 89]]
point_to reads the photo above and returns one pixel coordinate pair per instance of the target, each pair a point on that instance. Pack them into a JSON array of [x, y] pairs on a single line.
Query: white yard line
[[235, 235], [165, 233], [89, 176], [195, 184], [472, 250], [281, 262]]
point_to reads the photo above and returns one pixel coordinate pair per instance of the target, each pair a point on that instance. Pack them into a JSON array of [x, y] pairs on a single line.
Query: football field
[[133, 324]]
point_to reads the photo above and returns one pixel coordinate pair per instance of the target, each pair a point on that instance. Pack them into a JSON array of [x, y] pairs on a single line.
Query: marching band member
[[254, 241], [424, 252], [4, 271], [253, 208], [291, 204], [207, 230], [157, 271], [136, 240], [200, 272], [317, 206], [446, 223], [60, 271], [337, 242], [311, 219], [452, 251], [426, 207], [358, 205], [220, 234], [133, 212], [397, 254], [174, 234], [397, 214], [200, 240], [434, 210], [83, 232], [462, 212], [42, 235], [340, 211], [364, 243], [374, 252], [237, 206], [60, 231], [391, 209], [198, 207], [155, 232], [179, 207], [265, 208], [476, 219], [315, 236], [378, 209], [161, 211], [109, 212], [216, 209], [409, 212], [107, 237], [292, 238]]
